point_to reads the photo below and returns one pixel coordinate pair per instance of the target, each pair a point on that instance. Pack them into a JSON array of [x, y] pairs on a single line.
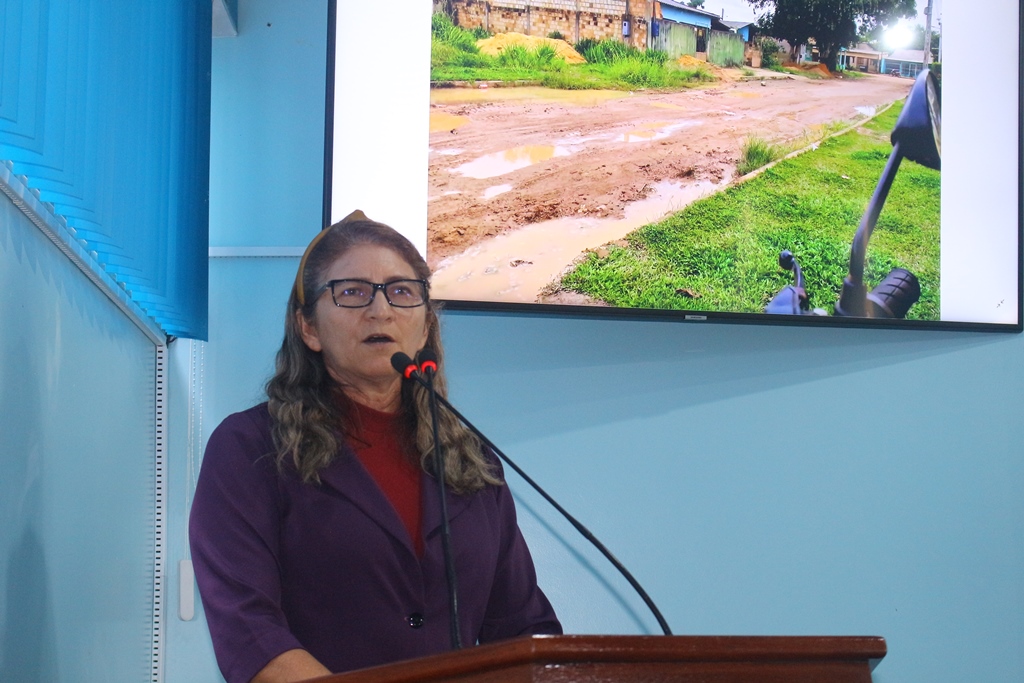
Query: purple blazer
[[330, 568]]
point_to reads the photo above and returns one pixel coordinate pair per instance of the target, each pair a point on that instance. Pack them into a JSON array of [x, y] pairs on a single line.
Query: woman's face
[[357, 343]]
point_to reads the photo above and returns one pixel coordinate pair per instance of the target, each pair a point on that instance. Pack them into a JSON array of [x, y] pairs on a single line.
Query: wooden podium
[[642, 659]]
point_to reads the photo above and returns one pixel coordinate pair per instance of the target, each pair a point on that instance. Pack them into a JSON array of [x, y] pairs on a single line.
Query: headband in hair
[[300, 290]]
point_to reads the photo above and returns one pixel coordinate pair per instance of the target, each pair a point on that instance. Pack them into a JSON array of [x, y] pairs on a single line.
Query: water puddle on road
[[443, 194], [495, 190], [440, 121], [516, 266], [656, 130], [506, 161]]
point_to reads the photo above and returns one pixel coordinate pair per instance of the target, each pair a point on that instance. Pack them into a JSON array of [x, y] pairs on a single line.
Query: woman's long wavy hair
[[310, 412]]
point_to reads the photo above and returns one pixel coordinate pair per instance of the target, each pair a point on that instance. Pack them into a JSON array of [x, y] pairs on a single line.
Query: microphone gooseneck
[[584, 531], [427, 367]]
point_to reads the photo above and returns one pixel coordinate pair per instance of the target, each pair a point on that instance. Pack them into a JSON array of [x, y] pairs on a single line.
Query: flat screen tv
[[596, 162]]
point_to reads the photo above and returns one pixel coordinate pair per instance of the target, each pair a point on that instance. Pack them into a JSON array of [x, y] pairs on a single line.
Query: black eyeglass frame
[[375, 287]]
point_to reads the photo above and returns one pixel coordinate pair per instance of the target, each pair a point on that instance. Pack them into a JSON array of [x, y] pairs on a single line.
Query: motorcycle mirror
[[918, 128]]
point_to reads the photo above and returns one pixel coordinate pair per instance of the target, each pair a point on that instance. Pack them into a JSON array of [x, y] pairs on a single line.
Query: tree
[[918, 43], [875, 36], [769, 51], [696, 4], [833, 24]]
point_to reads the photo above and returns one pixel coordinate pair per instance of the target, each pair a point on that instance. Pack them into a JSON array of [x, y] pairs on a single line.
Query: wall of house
[[684, 16], [757, 480], [574, 19], [856, 62], [905, 69], [640, 21], [77, 456]]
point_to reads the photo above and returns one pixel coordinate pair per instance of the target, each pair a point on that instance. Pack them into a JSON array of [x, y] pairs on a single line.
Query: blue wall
[[757, 480], [76, 453]]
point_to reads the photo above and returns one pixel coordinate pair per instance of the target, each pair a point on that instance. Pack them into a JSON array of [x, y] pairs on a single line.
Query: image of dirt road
[[524, 180]]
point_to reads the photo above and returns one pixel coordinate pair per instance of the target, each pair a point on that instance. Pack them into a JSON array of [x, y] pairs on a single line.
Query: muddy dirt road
[[522, 180]]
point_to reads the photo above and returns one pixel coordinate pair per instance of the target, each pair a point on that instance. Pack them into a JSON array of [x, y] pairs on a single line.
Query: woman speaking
[[316, 526]]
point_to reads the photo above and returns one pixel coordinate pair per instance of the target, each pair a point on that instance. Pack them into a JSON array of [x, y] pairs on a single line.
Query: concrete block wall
[[640, 19], [574, 19], [544, 22]]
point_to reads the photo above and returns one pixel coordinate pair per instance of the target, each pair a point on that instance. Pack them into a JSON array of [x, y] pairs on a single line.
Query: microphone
[[406, 366], [428, 362], [401, 364], [428, 366]]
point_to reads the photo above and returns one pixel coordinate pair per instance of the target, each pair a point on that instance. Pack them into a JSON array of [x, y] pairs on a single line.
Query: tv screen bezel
[[692, 316]]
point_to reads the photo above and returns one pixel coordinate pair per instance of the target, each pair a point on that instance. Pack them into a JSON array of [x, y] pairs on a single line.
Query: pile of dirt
[[719, 73], [495, 44], [820, 69]]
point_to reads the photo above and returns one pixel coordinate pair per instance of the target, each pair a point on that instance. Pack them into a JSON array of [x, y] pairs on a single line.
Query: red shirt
[[379, 443]]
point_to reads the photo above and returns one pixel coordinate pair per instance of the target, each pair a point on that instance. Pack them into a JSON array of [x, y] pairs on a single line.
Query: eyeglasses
[[360, 293]]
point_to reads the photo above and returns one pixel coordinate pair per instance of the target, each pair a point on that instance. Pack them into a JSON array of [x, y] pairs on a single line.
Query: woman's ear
[[308, 332]]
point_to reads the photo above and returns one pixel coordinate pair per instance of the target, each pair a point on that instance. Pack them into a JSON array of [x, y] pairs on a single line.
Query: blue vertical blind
[[105, 113]]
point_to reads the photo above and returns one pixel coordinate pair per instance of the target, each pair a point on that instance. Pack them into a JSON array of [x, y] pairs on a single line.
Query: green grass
[[721, 253], [757, 152], [443, 30], [518, 58], [625, 75], [611, 51], [611, 65]]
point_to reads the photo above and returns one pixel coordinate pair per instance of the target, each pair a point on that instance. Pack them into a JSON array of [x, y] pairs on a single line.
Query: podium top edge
[[561, 650]]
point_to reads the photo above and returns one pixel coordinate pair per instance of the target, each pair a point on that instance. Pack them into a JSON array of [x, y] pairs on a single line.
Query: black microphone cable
[[408, 369]]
